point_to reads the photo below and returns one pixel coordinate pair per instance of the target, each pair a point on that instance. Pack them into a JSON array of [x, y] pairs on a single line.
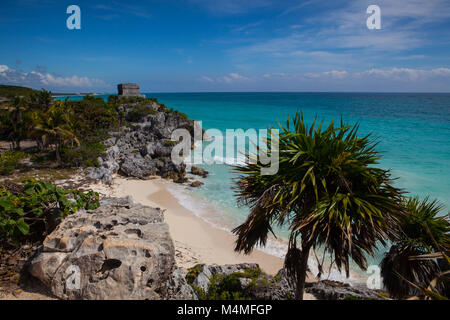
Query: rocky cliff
[[144, 147]]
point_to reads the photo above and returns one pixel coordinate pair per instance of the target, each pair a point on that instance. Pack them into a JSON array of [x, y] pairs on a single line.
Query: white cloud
[[334, 74], [231, 77], [207, 79], [38, 79], [341, 36], [237, 76], [405, 74], [391, 74]]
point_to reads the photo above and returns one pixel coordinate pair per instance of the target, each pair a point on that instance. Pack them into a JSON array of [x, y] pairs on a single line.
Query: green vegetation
[[68, 132], [169, 143], [327, 191], [12, 91], [193, 273], [9, 161], [330, 194], [139, 112], [29, 211], [227, 287], [181, 114], [411, 261]]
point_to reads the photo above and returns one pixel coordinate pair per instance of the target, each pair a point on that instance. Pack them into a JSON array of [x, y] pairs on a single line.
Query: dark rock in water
[[119, 251], [199, 172], [196, 184]]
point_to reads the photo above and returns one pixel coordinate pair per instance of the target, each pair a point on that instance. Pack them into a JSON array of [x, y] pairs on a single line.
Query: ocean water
[[413, 131]]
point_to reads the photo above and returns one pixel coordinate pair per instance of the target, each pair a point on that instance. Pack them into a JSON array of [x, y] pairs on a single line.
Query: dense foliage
[[32, 210], [327, 191], [422, 232], [68, 132], [9, 161], [12, 91], [227, 287]]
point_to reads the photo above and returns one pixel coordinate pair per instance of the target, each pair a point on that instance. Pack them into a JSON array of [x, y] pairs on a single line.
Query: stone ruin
[[129, 90]]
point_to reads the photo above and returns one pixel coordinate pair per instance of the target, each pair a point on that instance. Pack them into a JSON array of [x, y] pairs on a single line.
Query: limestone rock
[[334, 290], [207, 271], [260, 286], [118, 251], [144, 148]]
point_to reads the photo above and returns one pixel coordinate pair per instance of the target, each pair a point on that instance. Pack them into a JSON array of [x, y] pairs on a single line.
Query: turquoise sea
[[413, 131]]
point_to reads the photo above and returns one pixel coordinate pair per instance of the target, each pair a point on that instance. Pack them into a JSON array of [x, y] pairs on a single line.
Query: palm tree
[[55, 126], [41, 100], [423, 232], [16, 121], [327, 192]]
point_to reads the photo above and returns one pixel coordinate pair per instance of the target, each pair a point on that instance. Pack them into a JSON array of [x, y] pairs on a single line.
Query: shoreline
[[196, 240]]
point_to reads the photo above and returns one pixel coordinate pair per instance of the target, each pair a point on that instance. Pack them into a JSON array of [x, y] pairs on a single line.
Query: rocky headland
[[124, 250], [143, 148]]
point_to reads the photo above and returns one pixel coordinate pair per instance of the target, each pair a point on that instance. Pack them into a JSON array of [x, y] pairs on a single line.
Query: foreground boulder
[[118, 251]]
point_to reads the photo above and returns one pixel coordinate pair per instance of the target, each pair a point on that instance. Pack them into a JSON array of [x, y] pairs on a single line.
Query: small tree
[[327, 191], [55, 127], [16, 121], [422, 232]]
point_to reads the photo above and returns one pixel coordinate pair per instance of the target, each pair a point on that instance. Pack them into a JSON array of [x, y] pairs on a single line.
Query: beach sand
[[196, 241]]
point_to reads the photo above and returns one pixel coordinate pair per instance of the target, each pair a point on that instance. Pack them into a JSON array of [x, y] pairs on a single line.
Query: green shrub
[[14, 91], [169, 143], [28, 213], [193, 273], [176, 112], [138, 112], [85, 155], [226, 287], [9, 161]]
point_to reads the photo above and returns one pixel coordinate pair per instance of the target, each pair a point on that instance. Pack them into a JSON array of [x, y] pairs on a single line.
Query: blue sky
[[227, 45]]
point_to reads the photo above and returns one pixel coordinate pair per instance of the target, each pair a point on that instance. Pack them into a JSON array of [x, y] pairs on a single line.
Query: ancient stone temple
[[129, 90]]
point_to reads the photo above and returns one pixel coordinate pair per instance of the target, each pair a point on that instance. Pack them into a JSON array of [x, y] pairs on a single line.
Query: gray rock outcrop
[[119, 251], [246, 278], [144, 148], [203, 278], [335, 290]]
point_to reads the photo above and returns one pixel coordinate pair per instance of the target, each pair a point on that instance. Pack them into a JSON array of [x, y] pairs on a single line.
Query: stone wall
[[128, 90]]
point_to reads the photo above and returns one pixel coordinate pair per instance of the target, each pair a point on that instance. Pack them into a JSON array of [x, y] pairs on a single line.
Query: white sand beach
[[196, 241]]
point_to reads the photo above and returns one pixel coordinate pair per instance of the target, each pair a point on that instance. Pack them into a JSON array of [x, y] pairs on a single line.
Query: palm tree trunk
[[58, 156], [303, 268]]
